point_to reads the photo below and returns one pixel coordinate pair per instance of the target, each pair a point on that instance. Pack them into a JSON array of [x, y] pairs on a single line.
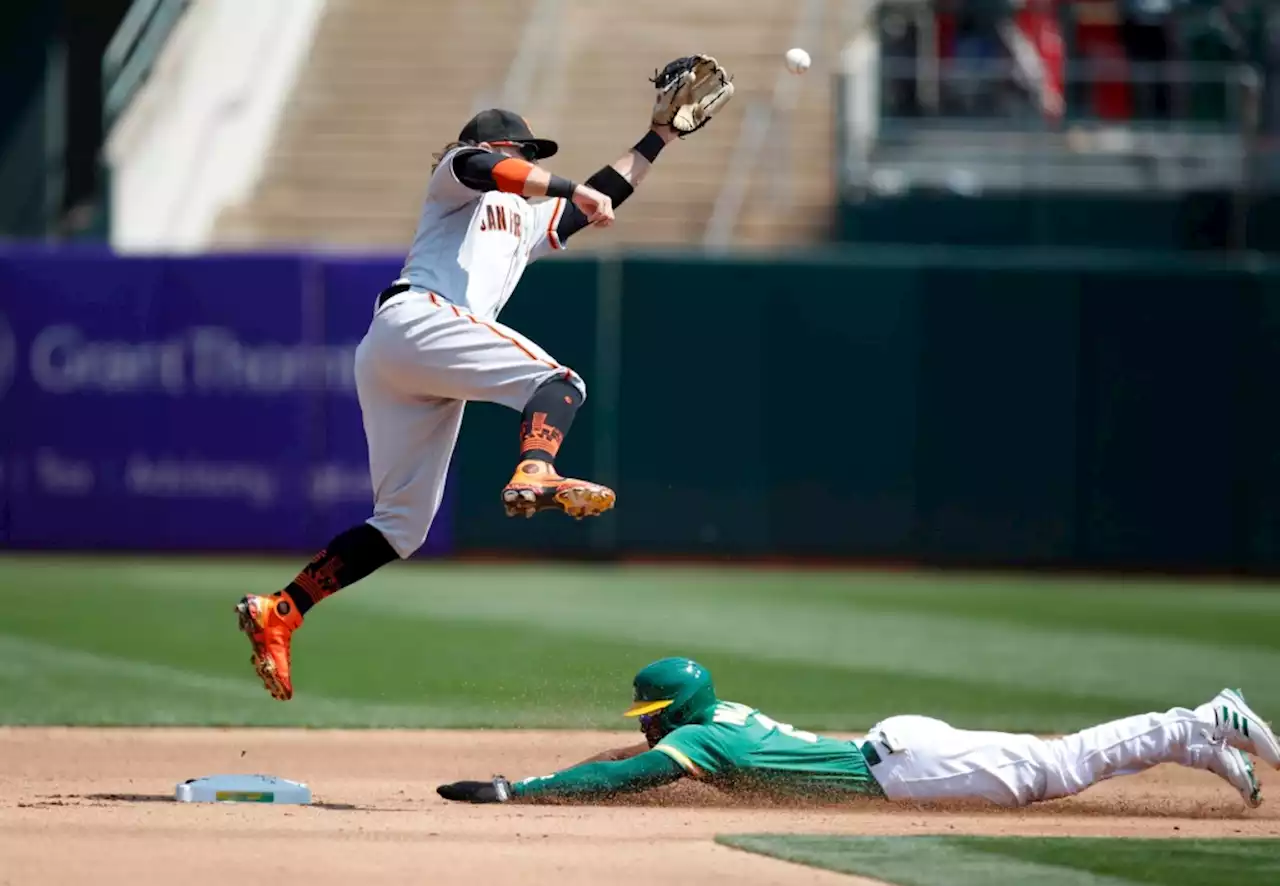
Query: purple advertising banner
[[202, 403]]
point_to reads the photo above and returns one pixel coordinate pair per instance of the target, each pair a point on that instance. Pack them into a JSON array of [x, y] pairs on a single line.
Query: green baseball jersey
[[737, 745]]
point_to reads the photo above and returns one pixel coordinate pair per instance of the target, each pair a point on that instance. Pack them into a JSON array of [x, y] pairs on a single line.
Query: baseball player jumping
[[689, 732], [435, 343]]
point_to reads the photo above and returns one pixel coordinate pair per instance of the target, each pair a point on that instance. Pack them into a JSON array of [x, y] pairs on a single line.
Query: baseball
[[797, 60]]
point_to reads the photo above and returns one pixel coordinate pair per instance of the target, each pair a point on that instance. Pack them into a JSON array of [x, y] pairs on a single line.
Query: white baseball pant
[[926, 759], [415, 368]]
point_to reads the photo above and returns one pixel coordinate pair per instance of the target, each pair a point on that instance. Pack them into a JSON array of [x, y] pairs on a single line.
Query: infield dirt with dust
[[95, 806]]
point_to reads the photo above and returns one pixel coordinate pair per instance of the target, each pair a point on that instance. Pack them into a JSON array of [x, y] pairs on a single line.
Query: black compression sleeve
[[572, 220], [607, 181], [475, 169], [610, 182], [560, 187]]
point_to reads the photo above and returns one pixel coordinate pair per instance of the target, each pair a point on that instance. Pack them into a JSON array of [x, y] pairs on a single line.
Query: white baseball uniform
[[432, 348], [926, 759]]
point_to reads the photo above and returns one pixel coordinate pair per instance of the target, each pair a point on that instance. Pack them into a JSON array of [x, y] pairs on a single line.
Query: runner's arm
[[603, 779], [615, 754]]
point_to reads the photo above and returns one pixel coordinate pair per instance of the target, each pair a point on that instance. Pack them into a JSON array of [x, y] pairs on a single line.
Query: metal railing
[[987, 126], [1175, 94], [132, 52]]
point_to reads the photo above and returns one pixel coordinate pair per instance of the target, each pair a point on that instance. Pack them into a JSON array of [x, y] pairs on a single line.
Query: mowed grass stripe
[[48, 685], [1145, 607], [447, 644], [567, 671], [1154, 862], [642, 604], [1015, 861], [444, 674], [914, 861], [1218, 612], [1141, 670]]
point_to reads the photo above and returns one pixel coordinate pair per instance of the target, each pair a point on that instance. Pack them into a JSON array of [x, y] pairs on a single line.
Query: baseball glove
[[690, 91], [497, 790]]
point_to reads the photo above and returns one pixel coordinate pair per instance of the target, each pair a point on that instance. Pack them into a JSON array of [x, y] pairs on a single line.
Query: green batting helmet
[[673, 692]]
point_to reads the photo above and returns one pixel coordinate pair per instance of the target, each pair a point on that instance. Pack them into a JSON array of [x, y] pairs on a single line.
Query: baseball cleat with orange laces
[[269, 623], [536, 486]]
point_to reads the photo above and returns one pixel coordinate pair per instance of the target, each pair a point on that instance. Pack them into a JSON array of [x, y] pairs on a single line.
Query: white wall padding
[[194, 139]]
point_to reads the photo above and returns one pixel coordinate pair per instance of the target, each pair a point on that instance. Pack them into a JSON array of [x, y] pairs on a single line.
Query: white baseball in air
[[798, 60]]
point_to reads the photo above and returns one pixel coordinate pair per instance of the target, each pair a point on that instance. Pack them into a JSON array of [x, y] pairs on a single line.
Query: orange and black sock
[[350, 557], [546, 420]]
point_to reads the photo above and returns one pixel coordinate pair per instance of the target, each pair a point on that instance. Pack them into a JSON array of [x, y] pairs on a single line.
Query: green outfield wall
[[1190, 221], [922, 404]]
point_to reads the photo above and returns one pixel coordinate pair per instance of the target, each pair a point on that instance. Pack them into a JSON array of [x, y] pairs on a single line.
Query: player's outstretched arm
[[615, 754], [619, 180], [690, 91], [590, 781]]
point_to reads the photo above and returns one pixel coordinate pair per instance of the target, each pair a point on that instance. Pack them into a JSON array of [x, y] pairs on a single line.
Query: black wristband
[[561, 187], [650, 146]]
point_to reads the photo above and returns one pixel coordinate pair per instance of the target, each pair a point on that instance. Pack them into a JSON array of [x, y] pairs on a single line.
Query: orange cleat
[[269, 623], [536, 486]]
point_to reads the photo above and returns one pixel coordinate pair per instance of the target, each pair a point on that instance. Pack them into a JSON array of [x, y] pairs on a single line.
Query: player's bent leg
[[410, 436], [547, 411], [409, 455], [430, 348], [1121, 747], [1076, 762], [410, 444], [536, 485], [925, 759], [1073, 763]]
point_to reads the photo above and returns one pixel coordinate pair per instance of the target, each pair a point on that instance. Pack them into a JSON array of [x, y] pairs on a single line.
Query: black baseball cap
[[496, 126]]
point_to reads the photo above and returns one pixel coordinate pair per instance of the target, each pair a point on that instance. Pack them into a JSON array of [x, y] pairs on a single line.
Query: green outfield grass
[[1018, 861], [153, 641]]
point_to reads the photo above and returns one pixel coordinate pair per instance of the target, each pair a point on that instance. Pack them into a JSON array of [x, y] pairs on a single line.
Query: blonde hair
[[444, 152]]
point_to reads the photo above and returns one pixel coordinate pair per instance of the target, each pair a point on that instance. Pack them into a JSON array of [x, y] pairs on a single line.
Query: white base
[[242, 789]]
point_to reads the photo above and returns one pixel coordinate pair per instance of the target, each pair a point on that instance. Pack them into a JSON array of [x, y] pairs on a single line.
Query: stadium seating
[[388, 83]]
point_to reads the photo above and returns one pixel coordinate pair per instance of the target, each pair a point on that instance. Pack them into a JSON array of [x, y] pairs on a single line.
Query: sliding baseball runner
[[690, 733]]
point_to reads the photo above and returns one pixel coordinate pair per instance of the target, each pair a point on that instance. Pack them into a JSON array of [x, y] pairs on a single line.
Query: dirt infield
[[95, 806]]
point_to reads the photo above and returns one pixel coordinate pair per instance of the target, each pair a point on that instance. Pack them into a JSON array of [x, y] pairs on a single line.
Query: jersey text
[[497, 218]]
